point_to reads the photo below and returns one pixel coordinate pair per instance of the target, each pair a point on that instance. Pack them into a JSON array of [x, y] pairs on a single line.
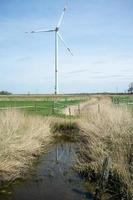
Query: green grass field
[[42, 106], [124, 100]]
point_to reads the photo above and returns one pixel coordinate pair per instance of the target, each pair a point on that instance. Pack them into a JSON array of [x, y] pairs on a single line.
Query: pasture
[[124, 101], [41, 105]]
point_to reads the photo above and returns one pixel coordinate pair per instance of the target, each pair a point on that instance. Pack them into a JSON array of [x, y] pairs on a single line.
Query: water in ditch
[[53, 179]]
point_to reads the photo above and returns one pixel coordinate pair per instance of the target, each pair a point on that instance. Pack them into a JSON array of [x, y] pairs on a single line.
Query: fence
[[124, 102], [42, 107]]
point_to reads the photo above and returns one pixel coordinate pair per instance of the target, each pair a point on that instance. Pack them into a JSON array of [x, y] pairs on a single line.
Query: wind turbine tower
[[57, 37]]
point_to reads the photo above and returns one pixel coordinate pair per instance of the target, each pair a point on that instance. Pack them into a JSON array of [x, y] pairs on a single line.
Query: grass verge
[[107, 131], [22, 138]]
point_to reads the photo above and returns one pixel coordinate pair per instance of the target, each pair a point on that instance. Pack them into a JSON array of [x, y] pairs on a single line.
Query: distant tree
[[5, 93], [130, 88]]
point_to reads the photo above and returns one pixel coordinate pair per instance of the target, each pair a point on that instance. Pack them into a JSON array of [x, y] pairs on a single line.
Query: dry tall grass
[[21, 139], [107, 131]]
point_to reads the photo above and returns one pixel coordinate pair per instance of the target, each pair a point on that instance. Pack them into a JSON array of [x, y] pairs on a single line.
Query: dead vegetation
[[21, 140], [107, 131], [66, 130]]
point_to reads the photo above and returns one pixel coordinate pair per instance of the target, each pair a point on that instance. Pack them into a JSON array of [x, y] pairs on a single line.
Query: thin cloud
[[77, 71], [124, 56], [23, 59], [99, 62], [68, 74], [97, 72], [112, 76]]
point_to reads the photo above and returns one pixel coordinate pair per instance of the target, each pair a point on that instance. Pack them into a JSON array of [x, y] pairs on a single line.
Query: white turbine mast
[[57, 35]]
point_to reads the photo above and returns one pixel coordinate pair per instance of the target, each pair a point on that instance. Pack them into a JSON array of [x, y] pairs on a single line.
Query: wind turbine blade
[[41, 31], [65, 44], [61, 17]]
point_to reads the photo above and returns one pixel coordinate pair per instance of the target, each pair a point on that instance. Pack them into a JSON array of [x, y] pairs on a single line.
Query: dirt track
[[76, 109]]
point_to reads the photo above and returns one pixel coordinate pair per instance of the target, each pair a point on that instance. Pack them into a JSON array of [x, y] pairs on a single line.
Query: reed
[[21, 140], [107, 131]]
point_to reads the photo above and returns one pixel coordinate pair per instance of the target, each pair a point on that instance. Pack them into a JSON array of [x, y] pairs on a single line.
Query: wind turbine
[[57, 36]]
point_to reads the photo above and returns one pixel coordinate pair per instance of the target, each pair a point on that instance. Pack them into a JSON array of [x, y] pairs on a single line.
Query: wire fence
[[41, 107], [124, 102]]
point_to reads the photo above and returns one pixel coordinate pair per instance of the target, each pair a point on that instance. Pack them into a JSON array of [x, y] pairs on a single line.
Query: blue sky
[[99, 32]]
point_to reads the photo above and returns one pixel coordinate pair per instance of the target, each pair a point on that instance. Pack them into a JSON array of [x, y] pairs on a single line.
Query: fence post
[[131, 162], [57, 153], [53, 108], [69, 111], [98, 108], [35, 107], [79, 109], [103, 179]]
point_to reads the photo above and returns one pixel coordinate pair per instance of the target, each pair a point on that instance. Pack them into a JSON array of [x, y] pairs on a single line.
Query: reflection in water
[[54, 178], [85, 194]]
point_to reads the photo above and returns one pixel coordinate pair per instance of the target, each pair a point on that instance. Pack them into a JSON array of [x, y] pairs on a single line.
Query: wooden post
[[131, 162], [57, 153], [79, 109], [98, 108], [11, 104], [53, 108], [35, 107], [69, 111], [103, 179]]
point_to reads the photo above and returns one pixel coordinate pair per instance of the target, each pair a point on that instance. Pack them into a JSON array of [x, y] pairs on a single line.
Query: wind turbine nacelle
[[57, 29]]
